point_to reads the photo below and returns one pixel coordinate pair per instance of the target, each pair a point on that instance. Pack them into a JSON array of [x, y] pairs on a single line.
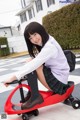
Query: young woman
[[48, 64]]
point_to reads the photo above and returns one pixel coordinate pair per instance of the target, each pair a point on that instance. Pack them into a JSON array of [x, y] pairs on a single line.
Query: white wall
[[9, 32], [5, 32], [17, 44]]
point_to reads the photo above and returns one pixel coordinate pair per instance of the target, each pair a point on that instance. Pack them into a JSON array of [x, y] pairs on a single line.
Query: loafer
[[29, 104]]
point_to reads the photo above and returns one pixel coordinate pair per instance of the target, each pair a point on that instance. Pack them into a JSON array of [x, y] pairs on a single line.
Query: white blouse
[[53, 57]]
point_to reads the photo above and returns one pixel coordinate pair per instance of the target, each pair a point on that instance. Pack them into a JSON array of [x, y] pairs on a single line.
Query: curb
[[77, 55], [15, 55]]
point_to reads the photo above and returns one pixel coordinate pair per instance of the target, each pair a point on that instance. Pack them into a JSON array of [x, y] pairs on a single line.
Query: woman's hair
[[32, 28]]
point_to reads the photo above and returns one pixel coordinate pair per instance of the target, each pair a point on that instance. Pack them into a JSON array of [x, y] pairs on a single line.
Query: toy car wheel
[[67, 102], [36, 112], [18, 114], [25, 117], [75, 104]]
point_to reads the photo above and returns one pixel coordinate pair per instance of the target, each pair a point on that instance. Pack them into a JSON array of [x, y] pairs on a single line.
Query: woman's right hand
[[6, 83]]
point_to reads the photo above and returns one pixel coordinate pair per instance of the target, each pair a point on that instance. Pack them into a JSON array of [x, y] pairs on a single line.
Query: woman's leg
[[41, 77], [36, 97], [33, 83]]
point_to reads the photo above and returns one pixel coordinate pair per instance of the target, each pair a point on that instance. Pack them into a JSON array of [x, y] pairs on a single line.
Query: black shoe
[[29, 104], [26, 98]]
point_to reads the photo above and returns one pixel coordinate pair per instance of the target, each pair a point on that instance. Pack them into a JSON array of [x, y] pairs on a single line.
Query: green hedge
[[4, 49], [64, 25]]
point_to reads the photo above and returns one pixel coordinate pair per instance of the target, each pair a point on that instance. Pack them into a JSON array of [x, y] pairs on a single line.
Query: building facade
[[8, 31], [34, 10], [15, 40]]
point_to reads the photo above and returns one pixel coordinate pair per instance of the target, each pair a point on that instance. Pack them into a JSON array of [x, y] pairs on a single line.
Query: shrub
[[64, 25], [4, 49]]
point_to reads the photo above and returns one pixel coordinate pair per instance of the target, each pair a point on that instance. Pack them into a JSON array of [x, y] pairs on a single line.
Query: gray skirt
[[55, 85]]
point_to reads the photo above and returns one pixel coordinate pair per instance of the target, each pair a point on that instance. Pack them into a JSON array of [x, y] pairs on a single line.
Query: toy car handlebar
[[13, 82], [17, 81]]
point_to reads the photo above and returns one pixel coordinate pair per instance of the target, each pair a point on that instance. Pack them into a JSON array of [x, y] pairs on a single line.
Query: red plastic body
[[49, 99]]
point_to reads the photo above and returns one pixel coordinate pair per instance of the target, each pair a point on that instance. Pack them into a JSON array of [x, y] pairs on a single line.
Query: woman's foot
[[29, 104]]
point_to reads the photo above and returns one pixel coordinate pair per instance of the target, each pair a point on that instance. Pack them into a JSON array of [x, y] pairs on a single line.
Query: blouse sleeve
[[46, 53]]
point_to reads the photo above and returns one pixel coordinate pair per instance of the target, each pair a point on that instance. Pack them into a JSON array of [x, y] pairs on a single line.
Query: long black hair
[[32, 28]]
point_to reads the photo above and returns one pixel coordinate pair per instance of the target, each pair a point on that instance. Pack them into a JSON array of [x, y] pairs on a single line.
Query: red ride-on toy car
[[50, 98]]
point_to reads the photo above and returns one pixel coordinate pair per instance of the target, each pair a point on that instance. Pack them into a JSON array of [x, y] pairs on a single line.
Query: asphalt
[[55, 112]]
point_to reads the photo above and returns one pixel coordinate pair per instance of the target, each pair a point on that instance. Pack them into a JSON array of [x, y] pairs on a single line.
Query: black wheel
[[18, 114], [75, 104], [67, 102], [36, 112], [25, 117]]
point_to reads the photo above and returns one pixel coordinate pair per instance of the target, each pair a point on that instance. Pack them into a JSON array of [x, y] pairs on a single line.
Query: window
[[38, 5], [19, 27], [50, 2], [23, 3], [68, 0], [33, 12], [23, 17], [30, 14]]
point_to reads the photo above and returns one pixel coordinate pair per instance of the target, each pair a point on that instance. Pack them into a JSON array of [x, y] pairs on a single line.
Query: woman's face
[[36, 39]]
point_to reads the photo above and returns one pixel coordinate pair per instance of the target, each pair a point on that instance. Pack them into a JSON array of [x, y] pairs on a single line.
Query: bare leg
[[41, 77]]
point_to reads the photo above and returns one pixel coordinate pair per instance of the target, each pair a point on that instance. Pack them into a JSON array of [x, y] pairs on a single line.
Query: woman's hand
[[6, 83]]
